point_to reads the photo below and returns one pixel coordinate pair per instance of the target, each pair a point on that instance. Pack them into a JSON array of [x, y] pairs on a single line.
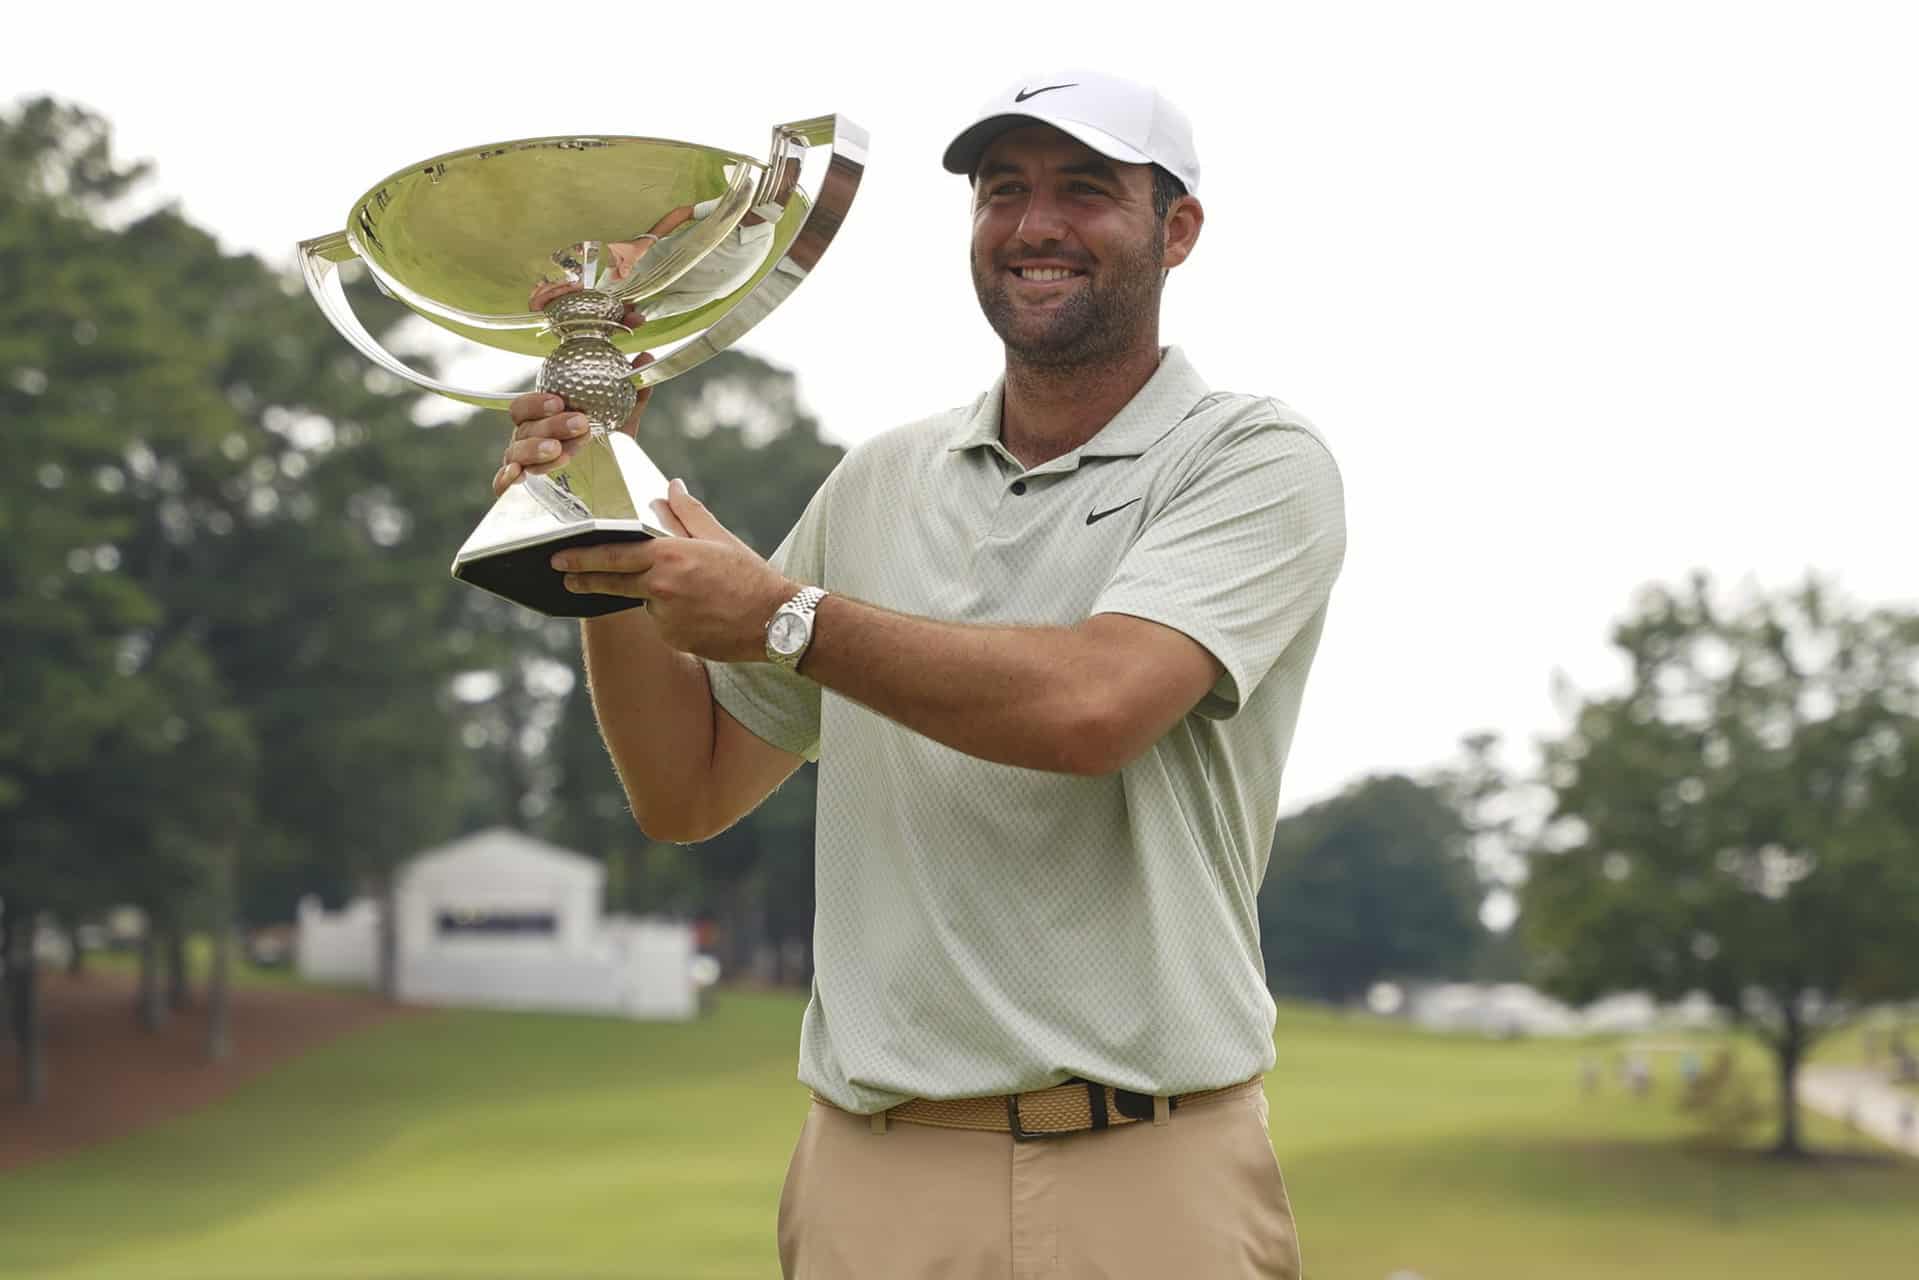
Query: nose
[[1042, 220]]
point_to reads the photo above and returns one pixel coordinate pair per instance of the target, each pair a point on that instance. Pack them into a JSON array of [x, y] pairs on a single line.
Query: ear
[[1183, 222]]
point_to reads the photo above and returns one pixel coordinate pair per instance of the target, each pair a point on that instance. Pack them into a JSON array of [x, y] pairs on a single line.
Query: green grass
[[477, 1145]]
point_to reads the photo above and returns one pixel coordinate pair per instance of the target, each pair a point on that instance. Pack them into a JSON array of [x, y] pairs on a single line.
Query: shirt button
[[1019, 487]]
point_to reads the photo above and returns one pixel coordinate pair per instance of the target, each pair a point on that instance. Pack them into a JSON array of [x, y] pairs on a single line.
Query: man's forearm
[[1047, 698], [655, 710], [1083, 699]]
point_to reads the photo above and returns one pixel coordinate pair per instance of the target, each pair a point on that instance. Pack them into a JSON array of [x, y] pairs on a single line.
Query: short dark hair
[[1166, 189]]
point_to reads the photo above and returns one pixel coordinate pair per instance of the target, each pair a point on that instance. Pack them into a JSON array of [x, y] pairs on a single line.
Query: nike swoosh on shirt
[[1024, 94], [1101, 515]]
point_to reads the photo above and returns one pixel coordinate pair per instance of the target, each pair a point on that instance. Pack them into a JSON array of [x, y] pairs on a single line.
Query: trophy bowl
[[629, 244]]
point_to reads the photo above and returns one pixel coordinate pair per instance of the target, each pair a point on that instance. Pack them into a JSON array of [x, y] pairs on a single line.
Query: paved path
[[1866, 1099]]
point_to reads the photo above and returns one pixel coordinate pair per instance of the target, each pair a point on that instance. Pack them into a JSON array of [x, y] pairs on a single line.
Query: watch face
[[787, 633]]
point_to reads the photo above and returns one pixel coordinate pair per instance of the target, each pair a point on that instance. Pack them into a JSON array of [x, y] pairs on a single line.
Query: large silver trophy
[[587, 250]]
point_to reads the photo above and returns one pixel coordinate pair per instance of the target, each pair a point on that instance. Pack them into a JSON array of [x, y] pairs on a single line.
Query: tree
[[229, 627], [237, 667], [1740, 819], [1376, 883], [105, 712]]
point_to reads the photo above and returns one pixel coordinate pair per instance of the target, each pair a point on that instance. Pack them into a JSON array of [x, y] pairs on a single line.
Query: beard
[[1101, 320]]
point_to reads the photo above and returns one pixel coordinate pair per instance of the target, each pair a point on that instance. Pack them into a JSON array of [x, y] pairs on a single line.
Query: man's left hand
[[709, 593]]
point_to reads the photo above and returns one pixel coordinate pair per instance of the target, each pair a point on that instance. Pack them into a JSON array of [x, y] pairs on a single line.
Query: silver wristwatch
[[791, 629]]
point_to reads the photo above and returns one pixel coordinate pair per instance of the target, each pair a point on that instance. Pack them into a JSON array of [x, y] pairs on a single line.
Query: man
[[1050, 684]]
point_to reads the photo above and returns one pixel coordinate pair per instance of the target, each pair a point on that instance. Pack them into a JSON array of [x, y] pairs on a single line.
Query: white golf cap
[[1122, 120]]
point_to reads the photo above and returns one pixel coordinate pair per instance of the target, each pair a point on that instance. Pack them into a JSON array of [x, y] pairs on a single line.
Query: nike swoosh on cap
[[1024, 94], [1101, 515]]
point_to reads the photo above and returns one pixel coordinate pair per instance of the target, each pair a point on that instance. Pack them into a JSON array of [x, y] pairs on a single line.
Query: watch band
[[802, 604]]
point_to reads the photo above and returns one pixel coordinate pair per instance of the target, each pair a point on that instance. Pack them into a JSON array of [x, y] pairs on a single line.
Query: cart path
[[1866, 1099], [106, 1078]]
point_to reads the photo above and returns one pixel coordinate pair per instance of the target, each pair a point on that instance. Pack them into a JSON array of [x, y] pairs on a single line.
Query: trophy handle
[[320, 261], [845, 167]]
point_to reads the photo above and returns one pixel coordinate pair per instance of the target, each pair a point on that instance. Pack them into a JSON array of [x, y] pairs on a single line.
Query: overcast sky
[[1583, 296]]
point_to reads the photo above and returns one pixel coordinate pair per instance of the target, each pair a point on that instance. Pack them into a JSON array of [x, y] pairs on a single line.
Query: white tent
[[499, 918]]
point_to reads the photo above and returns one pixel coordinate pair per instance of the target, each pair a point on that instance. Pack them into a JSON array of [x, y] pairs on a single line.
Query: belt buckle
[[1027, 1135]]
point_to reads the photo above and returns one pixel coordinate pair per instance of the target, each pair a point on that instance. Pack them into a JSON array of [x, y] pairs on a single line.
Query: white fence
[[338, 946]]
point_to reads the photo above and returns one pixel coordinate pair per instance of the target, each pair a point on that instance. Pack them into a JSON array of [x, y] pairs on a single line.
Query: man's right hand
[[546, 434]]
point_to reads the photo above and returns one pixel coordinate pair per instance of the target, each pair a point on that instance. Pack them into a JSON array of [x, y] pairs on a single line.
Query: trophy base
[[595, 498], [526, 576]]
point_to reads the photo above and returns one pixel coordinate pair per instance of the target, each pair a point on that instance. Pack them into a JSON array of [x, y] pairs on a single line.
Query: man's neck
[[1051, 410]]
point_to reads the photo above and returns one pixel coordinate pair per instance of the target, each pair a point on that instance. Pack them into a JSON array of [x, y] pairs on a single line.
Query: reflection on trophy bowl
[[586, 251]]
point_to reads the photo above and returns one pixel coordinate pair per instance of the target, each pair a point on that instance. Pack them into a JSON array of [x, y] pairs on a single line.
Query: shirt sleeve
[[1242, 556], [778, 706]]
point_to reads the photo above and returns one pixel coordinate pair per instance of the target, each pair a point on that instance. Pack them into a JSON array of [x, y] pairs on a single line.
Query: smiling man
[[1049, 650]]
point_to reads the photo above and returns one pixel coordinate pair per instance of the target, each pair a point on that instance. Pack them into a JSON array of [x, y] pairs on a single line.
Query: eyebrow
[[1094, 168]]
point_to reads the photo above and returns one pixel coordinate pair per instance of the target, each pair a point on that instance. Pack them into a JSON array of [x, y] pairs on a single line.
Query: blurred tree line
[[1739, 819], [237, 671], [1379, 883], [240, 672], [236, 668]]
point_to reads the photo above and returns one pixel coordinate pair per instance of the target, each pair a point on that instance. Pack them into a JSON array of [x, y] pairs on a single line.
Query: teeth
[[1044, 273]]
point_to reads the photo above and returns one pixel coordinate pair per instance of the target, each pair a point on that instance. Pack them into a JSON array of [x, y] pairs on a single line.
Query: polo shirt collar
[[982, 425], [1159, 406]]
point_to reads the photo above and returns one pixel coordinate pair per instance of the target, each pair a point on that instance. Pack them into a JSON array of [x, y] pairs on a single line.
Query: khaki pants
[[1198, 1198]]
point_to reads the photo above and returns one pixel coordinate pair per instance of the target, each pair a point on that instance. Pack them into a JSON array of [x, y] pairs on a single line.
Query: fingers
[[664, 517], [629, 559], [543, 436], [604, 584], [537, 452], [560, 426], [533, 412], [693, 515], [534, 404], [539, 416], [537, 457]]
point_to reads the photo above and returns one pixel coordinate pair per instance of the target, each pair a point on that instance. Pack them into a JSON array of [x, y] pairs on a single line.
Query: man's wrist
[[762, 617], [788, 635]]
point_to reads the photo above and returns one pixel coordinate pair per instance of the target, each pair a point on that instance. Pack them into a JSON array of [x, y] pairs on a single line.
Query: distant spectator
[[1905, 1066], [1638, 1074]]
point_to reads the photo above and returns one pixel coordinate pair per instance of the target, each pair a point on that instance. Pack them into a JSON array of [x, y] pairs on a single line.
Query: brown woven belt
[[1073, 1107]]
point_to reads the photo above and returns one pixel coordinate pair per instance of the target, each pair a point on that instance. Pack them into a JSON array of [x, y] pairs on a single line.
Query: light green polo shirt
[[986, 929]]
